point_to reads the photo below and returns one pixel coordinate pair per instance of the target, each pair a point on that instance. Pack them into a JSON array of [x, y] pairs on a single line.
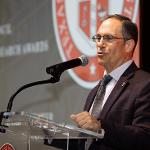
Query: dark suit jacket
[[126, 114]]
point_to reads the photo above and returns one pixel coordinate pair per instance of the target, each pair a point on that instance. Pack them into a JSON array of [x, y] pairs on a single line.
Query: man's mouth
[[100, 53]]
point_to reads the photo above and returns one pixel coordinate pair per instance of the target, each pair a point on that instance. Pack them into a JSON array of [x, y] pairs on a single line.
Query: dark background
[[145, 35]]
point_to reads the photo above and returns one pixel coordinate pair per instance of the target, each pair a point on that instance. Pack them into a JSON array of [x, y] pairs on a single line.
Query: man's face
[[111, 53]]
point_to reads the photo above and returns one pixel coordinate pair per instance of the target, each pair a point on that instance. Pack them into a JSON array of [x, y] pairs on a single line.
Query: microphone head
[[84, 60]]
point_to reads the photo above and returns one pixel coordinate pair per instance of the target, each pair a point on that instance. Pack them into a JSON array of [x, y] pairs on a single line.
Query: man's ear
[[130, 45]]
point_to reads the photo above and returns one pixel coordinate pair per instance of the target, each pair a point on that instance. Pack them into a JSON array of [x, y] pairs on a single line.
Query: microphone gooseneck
[[10, 103]]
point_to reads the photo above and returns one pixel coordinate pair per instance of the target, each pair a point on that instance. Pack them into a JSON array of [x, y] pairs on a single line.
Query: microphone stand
[[55, 78]]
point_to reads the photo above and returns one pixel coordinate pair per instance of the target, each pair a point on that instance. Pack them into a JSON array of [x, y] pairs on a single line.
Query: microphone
[[57, 69]]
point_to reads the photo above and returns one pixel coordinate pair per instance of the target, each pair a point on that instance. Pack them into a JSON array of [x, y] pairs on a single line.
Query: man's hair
[[129, 29]]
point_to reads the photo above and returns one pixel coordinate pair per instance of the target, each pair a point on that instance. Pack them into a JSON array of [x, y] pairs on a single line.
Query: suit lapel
[[118, 89]]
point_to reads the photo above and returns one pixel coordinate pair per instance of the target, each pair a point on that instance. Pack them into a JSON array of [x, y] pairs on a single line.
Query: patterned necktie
[[97, 106]]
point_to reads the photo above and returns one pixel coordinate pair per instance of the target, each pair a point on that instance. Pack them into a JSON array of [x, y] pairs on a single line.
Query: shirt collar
[[116, 74]]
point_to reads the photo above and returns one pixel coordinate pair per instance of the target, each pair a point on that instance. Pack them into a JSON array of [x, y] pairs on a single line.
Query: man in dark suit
[[125, 113]]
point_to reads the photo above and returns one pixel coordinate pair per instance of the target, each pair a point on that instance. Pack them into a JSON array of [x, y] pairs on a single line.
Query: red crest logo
[[75, 22], [7, 146]]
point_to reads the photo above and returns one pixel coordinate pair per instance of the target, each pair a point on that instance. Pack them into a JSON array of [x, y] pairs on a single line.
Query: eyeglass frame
[[106, 38]]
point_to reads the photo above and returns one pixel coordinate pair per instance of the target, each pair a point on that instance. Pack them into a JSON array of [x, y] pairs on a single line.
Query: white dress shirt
[[115, 74]]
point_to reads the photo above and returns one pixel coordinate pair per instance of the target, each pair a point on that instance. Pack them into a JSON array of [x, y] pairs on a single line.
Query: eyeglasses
[[106, 38]]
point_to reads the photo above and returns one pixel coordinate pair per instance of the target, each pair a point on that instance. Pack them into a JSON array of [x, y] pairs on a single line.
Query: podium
[[29, 131]]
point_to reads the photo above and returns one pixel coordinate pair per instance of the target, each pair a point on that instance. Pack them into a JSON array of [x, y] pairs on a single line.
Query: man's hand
[[86, 121]]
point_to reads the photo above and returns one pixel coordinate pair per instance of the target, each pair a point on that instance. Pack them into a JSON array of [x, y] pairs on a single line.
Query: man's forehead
[[110, 25]]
